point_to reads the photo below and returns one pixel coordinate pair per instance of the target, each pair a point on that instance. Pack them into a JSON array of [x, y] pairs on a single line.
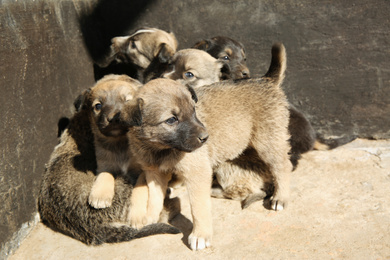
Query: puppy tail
[[252, 198], [278, 65], [323, 144], [115, 234]]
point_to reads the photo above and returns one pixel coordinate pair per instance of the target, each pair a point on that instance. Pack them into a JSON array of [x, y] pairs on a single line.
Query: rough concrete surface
[[339, 209]]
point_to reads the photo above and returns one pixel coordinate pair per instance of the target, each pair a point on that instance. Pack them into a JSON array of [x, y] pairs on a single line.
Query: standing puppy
[[132, 55], [167, 137], [68, 179], [228, 51]]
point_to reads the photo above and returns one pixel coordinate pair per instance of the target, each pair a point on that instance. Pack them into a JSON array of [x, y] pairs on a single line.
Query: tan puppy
[[194, 68], [70, 174], [138, 50], [168, 137], [103, 104]]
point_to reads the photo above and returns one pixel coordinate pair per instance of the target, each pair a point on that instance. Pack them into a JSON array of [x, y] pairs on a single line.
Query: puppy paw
[[101, 196], [278, 204], [198, 243], [137, 218]]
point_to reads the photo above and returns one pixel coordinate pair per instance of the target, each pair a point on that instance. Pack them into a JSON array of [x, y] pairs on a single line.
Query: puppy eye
[[225, 58], [188, 75], [98, 107], [171, 121], [133, 46]]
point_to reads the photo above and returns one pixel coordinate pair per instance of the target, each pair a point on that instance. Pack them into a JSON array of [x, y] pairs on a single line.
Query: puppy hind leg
[[103, 190], [275, 154]]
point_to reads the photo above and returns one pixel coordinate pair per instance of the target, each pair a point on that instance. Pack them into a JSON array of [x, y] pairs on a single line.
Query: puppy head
[[162, 116], [194, 68], [141, 47], [228, 51], [104, 103]]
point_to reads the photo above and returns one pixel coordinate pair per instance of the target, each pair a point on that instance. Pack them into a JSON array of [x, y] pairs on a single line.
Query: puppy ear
[[80, 101], [118, 45], [165, 53], [203, 45], [225, 71], [193, 93], [134, 112]]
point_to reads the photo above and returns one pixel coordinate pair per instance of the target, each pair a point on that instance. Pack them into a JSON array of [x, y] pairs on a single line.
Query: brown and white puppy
[[228, 51], [169, 138], [133, 54], [69, 177]]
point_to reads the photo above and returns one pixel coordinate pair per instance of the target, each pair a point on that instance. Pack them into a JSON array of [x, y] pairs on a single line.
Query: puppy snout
[[115, 118], [203, 137], [245, 73]]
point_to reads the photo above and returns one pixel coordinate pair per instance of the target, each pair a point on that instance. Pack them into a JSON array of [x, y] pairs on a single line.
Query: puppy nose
[[115, 118], [203, 137], [245, 74]]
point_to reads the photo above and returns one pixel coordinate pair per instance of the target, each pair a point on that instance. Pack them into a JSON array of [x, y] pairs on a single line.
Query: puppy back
[[276, 71]]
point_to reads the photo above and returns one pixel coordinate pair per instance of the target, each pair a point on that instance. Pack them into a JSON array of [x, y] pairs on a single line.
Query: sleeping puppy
[[68, 180], [132, 55], [171, 133], [228, 51]]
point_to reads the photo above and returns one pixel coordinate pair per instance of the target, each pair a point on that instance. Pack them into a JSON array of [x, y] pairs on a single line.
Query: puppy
[[169, 138], [228, 51], [68, 179], [103, 103], [133, 54], [194, 68]]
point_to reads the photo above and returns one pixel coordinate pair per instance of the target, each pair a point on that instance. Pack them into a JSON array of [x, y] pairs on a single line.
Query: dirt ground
[[339, 209]]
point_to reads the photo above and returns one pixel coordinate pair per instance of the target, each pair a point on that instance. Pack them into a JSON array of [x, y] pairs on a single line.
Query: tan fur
[[194, 68], [141, 47], [240, 179], [251, 114]]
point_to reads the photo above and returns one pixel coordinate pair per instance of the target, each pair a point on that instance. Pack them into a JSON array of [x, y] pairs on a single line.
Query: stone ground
[[339, 209]]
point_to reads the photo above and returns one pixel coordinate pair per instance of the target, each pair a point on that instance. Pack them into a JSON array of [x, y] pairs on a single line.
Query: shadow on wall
[[108, 19]]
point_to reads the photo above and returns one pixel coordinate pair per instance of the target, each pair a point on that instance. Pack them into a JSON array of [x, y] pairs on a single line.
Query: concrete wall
[[338, 69]]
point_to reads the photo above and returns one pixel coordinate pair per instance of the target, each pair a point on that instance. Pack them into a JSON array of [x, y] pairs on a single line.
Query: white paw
[[278, 205], [198, 243]]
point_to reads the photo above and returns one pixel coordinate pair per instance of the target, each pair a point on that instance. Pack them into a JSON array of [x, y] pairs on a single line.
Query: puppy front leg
[[198, 183], [138, 203], [103, 190], [157, 185]]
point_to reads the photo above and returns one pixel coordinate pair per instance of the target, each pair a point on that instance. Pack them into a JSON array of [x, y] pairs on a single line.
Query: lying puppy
[[168, 138], [132, 55], [69, 177], [230, 52]]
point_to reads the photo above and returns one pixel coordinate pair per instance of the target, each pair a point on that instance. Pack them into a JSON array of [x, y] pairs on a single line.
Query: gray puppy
[[68, 180]]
